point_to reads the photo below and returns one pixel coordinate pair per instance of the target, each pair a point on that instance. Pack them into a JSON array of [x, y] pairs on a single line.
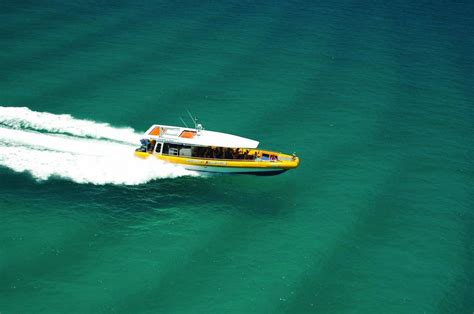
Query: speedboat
[[208, 151]]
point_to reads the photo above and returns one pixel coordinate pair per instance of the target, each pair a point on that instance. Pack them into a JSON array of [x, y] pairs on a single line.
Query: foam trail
[[24, 118], [82, 156]]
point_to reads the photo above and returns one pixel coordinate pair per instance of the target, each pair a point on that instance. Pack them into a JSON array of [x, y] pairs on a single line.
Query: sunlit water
[[375, 98]]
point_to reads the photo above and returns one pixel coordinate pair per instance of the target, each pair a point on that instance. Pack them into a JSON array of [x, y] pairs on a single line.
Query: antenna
[[197, 125], [192, 118], [184, 122]]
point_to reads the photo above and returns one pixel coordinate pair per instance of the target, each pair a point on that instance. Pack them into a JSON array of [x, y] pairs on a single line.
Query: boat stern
[[142, 155]]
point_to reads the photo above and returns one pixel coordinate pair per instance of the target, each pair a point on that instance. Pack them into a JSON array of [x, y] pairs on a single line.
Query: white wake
[[49, 145]]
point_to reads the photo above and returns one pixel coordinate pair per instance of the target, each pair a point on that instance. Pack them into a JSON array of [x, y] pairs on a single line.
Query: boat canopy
[[190, 136]]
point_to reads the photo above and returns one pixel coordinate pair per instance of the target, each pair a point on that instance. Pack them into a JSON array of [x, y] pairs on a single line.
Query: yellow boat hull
[[231, 166]]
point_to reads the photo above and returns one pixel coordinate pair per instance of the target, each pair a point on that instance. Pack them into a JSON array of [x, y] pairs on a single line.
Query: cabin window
[[185, 151], [173, 149], [213, 152], [176, 150], [158, 148], [170, 149], [210, 152]]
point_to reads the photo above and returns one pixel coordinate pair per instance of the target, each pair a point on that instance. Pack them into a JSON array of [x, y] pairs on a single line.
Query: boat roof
[[191, 136]]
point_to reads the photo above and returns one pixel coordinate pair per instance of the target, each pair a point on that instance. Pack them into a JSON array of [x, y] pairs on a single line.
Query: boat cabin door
[[158, 148]]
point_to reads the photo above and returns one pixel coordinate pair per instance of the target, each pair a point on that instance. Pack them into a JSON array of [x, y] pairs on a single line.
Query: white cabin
[[197, 137]]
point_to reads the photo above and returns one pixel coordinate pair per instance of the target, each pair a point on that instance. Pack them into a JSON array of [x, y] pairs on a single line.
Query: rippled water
[[375, 98]]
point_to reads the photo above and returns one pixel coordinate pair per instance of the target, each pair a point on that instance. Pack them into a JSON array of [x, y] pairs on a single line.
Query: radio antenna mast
[[197, 125], [192, 118], [184, 122]]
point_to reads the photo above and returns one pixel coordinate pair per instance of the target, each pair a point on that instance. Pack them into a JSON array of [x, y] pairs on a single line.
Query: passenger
[[150, 146], [257, 156], [143, 145]]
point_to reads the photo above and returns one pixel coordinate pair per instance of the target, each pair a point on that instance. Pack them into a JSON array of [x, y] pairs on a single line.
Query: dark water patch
[[189, 279], [121, 69], [81, 39]]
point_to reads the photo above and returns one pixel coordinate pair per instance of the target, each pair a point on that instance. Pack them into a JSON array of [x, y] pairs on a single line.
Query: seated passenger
[[228, 153], [235, 153], [143, 145], [151, 144]]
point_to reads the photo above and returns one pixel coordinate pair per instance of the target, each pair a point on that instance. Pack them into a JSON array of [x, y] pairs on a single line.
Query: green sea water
[[375, 97]]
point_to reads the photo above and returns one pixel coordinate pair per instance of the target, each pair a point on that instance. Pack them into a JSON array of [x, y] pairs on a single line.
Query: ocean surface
[[375, 97]]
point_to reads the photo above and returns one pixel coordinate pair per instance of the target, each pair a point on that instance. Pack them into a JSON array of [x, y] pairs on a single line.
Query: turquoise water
[[375, 98]]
